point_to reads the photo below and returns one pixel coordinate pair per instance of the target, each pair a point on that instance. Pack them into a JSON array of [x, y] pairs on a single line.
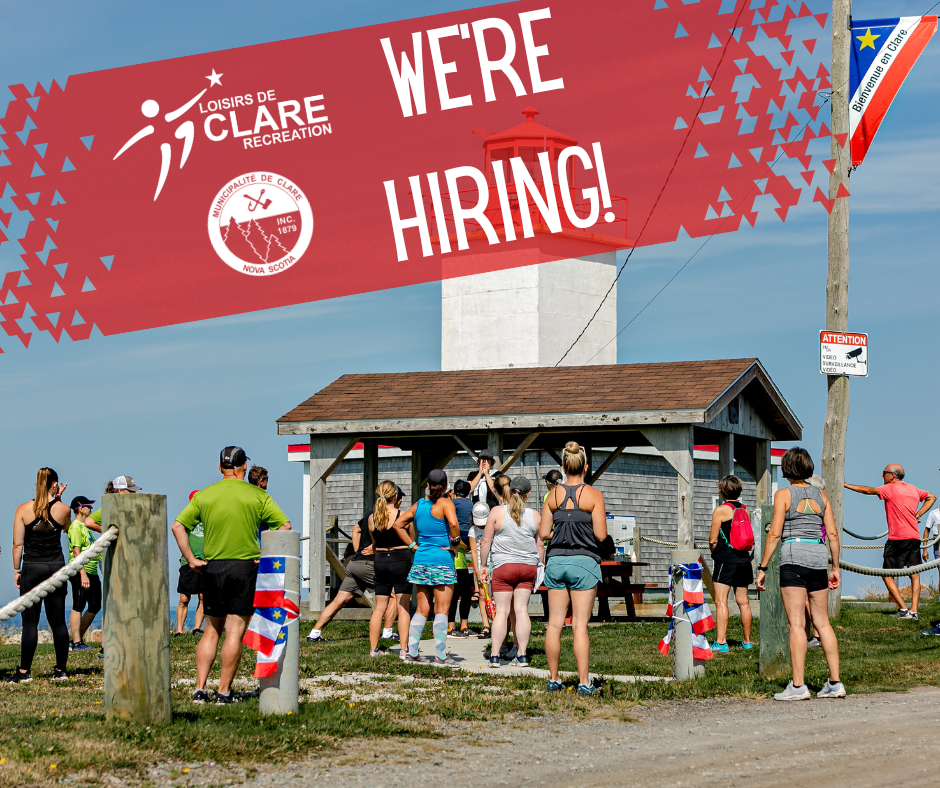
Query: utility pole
[[837, 284]]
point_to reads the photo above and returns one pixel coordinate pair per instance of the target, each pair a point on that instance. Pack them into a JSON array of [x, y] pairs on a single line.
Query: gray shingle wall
[[639, 485]]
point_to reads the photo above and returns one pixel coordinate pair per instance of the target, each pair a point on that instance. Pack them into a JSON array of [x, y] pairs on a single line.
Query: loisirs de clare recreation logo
[[260, 223]]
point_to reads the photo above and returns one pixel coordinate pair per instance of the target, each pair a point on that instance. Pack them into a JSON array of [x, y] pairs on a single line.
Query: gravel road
[[865, 740]]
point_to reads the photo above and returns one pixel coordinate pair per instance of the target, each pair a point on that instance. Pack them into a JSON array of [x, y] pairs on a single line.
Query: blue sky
[[153, 404]]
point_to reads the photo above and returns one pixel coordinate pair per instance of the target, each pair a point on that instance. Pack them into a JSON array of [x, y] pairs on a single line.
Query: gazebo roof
[[615, 396]]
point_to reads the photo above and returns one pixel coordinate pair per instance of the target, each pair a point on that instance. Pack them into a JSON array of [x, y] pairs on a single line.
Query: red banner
[[402, 153]]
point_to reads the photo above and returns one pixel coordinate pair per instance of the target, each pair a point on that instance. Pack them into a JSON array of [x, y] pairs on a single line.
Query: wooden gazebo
[[434, 415]]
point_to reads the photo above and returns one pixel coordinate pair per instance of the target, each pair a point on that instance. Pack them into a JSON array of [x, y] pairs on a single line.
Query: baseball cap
[[437, 476], [193, 494], [233, 457], [480, 512], [521, 485], [125, 483], [486, 454], [401, 492], [553, 476], [79, 501]]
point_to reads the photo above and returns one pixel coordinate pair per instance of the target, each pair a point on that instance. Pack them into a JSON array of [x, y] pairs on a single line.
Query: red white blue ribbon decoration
[[274, 609], [692, 607], [883, 53]]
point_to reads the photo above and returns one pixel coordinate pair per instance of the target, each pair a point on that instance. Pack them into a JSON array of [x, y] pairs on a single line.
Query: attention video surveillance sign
[[843, 354]]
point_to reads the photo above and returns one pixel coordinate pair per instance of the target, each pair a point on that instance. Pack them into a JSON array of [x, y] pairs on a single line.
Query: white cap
[[480, 512], [125, 483]]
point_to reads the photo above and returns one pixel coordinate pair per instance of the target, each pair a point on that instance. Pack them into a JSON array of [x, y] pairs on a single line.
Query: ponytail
[[516, 507], [43, 500], [386, 493]]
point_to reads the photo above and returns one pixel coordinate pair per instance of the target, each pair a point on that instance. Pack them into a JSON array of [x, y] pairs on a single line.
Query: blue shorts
[[573, 572]]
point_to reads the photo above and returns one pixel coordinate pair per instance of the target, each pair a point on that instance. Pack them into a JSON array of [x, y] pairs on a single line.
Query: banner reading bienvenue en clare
[[402, 153]]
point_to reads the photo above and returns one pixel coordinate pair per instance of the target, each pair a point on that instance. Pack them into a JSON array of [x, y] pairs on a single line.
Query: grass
[[57, 731]]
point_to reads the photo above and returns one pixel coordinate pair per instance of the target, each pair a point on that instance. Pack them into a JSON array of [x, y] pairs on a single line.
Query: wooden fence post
[[136, 621], [774, 629]]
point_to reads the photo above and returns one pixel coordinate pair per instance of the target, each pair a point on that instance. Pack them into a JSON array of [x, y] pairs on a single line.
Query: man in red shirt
[[903, 546]]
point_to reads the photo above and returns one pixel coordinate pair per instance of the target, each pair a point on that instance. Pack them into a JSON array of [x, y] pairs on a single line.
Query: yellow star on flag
[[276, 564], [277, 615], [280, 635], [868, 40]]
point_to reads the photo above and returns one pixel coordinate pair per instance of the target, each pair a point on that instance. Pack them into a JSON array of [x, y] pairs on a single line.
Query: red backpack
[[742, 535]]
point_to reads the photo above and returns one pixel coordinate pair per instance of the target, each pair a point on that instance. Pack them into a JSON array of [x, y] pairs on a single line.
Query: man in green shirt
[[190, 581], [231, 512], [86, 586]]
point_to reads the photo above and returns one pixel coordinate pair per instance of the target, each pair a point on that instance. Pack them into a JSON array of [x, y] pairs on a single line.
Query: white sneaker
[[831, 689], [813, 643], [792, 693]]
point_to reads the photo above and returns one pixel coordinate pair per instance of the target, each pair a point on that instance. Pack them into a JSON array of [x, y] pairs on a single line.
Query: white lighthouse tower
[[525, 306]]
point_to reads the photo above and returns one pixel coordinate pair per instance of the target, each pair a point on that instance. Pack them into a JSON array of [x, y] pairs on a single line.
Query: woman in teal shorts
[[575, 520], [437, 534]]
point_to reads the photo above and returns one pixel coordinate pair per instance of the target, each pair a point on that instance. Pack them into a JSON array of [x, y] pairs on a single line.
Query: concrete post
[[280, 692], [683, 663], [136, 632]]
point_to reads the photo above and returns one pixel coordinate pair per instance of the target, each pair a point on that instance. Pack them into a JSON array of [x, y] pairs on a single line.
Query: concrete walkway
[[468, 654]]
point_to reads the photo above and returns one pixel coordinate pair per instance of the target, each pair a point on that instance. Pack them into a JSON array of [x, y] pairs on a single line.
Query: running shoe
[[377, 653], [80, 646], [589, 690], [553, 686], [175, 634], [412, 660], [794, 693], [59, 675], [719, 648], [447, 662], [459, 633], [200, 696], [813, 643], [316, 639], [494, 662], [831, 689], [747, 646], [902, 613], [934, 631], [522, 661], [508, 653], [224, 698], [912, 614], [197, 631], [19, 677]]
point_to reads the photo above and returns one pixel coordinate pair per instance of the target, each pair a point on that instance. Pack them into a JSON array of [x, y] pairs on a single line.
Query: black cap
[[233, 457], [401, 493], [553, 476], [521, 485], [79, 501], [486, 454], [437, 476]]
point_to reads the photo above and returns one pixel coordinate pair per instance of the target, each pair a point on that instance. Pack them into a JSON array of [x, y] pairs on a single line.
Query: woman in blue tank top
[[436, 534]]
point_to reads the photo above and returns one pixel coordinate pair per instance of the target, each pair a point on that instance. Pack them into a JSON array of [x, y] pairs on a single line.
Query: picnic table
[[617, 583]]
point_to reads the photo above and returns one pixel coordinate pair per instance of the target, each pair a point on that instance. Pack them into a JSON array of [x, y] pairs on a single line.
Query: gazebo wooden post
[[326, 452], [370, 473]]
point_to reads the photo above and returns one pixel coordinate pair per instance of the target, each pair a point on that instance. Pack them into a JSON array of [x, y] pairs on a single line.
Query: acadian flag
[[883, 53], [694, 607], [274, 609]]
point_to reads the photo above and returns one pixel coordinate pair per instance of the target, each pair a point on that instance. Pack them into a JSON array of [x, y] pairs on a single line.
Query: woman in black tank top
[[393, 552], [37, 555]]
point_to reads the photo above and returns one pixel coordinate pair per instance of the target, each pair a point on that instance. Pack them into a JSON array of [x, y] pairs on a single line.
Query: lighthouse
[[524, 304]]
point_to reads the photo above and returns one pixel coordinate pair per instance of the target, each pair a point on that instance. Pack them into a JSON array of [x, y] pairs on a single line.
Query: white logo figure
[[185, 131]]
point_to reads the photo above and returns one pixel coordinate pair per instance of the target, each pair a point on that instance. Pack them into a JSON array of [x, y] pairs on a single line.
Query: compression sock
[[440, 635], [414, 633]]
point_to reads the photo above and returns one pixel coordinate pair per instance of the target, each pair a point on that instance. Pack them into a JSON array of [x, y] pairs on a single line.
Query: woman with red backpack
[[731, 541]]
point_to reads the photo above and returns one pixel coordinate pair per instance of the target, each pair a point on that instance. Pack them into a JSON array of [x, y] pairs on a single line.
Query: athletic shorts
[[509, 577], [190, 582], [360, 577], [432, 575], [391, 572], [86, 597], [734, 575], [574, 572], [228, 588], [793, 576], [900, 553]]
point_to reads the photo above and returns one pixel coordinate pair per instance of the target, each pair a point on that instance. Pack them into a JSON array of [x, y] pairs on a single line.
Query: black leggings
[[462, 591], [33, 574]]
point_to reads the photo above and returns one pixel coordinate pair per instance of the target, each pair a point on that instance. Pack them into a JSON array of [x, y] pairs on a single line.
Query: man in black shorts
[[231, 513]]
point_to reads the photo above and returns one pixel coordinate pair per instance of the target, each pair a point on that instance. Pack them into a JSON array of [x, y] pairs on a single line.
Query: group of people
[[38, 526], [457, 541], [450, 546]]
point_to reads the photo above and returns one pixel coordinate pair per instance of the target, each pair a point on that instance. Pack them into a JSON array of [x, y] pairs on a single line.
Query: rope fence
[[698, 546], [49, 585], [866, 538], [910, 570]]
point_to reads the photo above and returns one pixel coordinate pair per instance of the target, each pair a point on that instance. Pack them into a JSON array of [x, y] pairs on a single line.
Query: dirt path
[[865, 740]]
